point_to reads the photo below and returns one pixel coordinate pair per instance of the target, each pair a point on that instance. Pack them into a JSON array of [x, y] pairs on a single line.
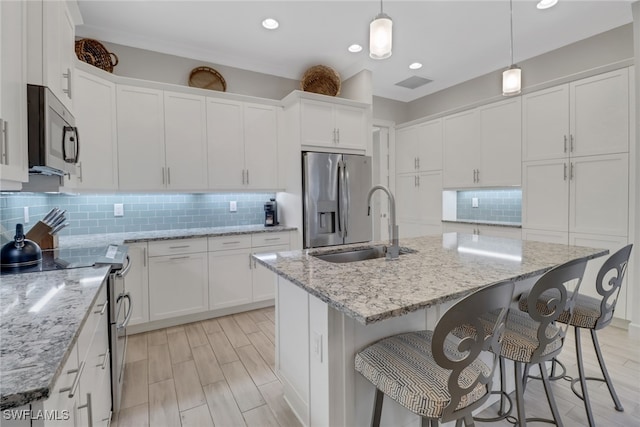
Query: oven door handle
[[129, 311], [126, 269]]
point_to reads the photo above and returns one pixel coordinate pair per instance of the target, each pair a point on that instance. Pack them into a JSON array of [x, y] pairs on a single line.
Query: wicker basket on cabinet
[[321, 79], [94, 53]]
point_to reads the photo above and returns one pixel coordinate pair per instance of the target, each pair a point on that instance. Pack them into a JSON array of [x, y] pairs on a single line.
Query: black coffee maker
[[271, 213]]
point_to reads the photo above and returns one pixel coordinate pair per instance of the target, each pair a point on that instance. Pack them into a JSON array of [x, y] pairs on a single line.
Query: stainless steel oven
[[120, 311]]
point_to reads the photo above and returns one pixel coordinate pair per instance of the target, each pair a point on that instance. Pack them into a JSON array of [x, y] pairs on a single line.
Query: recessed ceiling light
[[415, 66], [270, 24], [355, 48], [546, 4]]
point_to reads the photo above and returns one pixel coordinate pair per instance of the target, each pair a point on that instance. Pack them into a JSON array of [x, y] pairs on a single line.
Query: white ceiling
[[455, 40]]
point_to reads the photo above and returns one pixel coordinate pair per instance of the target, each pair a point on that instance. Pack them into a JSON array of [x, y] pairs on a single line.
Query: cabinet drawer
[[99, 310], [59, 399], [229, 242], [270, 239], [178, 246]]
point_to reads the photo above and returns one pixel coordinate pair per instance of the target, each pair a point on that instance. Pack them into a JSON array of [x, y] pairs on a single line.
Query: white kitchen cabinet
[[95, 103], [178, 272], [482, 147], [64, 402], [185, 141], [461, 149], [263, 280], [484, 230], [332, 125], [419, 147], [242, 145], [582, 118], [140, 124], [419, 197], [547, 236], [545, 195], [136, 283], [51, 47], [13, 95], [230, 266]]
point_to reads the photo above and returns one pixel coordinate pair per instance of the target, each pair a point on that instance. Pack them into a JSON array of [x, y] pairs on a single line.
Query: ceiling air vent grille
[[413, 82]]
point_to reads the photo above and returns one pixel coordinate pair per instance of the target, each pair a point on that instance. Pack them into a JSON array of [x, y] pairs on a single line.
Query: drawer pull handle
[[179, 247], [231, 243], [179, 257], [103, 365], [104, 308], [76, 381], [274, 238]]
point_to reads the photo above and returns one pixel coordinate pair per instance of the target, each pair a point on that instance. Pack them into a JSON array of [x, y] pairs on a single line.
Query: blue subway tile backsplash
[[503, 205], [91, 214]]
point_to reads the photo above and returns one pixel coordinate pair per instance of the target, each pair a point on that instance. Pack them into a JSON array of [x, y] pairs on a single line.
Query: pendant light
[[380, 35], [511, 77]]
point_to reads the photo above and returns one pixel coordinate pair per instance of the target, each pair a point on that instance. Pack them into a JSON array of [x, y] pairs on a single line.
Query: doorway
[[383, 174]]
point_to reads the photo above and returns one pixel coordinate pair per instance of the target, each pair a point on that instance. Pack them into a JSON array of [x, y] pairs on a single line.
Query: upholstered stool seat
[[403, 368], [585, 313]]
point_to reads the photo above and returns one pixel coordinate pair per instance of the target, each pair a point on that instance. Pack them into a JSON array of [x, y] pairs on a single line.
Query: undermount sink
[[359, 254]]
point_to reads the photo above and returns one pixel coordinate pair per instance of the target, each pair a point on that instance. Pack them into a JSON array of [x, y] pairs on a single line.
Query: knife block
[[39, 233]]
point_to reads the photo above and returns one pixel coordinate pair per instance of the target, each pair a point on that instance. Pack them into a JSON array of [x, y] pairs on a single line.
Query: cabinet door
[[261, 146], [60, 401], [545, 124], [141, 160], [264, 281], [599, 195], [496, 231], [317, 123], [178, 285], [461, 149], [350, 124], [560, 237], [600, 114], [230, 281], [407, 150], [136, 283], [67, 56], [406, 198], [545, 195], [225, 144], [429, 198], [95, 103], [185, 131], [13, 101], [500, 135], [430, 146]]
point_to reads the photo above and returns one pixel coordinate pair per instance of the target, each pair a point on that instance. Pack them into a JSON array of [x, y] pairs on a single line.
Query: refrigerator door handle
[[341, 207], [347, 198]]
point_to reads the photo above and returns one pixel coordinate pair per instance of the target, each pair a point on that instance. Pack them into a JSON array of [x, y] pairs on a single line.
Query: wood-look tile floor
[[220, 372]]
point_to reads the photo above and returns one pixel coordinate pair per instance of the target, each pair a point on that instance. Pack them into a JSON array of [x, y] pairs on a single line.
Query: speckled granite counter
[[444, 268], [483, 222], [145, 236], [42, 315]]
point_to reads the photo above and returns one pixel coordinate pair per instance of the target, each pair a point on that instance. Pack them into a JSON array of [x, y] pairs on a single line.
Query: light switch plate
[[26, 214], [474, 202], [233, 206], [118, 209]]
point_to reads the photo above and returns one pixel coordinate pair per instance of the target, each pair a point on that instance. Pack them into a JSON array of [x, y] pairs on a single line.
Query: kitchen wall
[[93, 213], [608, 48], [390, 109], [503, 205]]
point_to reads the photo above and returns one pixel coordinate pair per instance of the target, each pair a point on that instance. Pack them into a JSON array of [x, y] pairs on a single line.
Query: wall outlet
[[316, 342], [233, 206], [118, 209], [26, 214], [474, 202]]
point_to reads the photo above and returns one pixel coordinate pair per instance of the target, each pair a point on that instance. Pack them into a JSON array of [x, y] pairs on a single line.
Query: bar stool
[[533, 337], [435, 374], [593, 314]]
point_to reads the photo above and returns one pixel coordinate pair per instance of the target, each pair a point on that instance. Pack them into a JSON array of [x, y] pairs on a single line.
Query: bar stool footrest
[[505, 415], [578, 393], [561, 376]]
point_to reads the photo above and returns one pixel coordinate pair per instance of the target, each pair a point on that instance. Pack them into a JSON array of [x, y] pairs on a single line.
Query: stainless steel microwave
[[52, 134]]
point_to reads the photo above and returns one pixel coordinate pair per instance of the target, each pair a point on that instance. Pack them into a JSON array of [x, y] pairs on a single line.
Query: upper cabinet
[[13, 94], [419, 147], [95, 104], [51, 46], [581, 118], [325, 123], [242, 145], [482, 147]]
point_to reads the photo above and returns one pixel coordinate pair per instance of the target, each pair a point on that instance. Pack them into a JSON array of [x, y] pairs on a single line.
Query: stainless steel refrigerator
[[335, 188]]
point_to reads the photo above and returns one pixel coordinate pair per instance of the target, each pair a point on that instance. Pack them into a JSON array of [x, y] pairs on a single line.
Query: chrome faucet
[[393, 251]]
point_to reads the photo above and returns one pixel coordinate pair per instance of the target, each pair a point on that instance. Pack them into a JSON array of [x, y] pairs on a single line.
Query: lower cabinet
[[230, 281], [178, 272], [136, 283], [82, 394], [263, 279], [484, 229]]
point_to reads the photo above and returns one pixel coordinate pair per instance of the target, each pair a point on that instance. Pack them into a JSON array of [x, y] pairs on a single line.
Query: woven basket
[[94, 53], [321, 79], [207, 78]]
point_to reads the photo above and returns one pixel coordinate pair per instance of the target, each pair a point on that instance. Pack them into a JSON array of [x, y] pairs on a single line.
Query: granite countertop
[[445, 267], [90, 240], [42, 315], [484, 222]]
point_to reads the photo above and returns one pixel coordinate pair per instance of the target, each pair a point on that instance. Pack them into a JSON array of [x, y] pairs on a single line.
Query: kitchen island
[[42, 315], [326, 312]]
